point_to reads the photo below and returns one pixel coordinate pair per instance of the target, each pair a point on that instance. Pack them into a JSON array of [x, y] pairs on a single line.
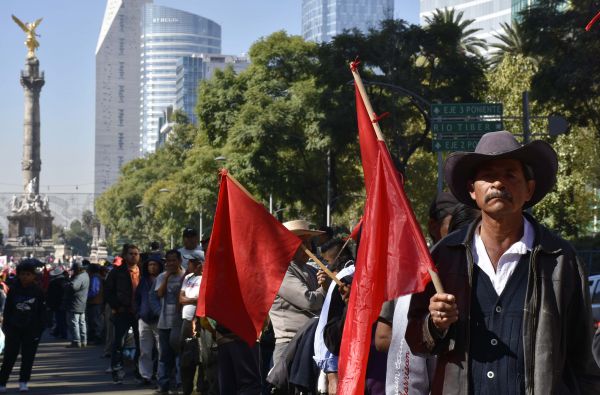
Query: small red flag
[[246, 260], [393, 260]]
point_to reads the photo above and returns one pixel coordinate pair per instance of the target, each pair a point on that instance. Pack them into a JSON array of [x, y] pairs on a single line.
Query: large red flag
[[246, 260], [393, 260]]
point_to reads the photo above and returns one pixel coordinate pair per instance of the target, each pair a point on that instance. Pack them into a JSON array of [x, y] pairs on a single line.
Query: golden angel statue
[[31, 42]]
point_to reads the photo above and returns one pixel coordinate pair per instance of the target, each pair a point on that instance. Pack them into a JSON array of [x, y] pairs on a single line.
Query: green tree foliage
[[459, 29], [510, 43], [568, 208], [78, 238], [568, 70], [277, 122], [134, 209]]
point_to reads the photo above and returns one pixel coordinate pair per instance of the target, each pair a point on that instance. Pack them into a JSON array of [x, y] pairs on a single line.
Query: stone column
[[32, 82]]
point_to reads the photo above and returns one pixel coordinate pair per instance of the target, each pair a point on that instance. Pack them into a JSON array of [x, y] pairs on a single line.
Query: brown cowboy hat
[[460, 167], [300, 227]]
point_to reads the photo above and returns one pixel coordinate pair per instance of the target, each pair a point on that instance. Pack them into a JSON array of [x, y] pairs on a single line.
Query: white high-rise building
[[324, 19], [488, 14], [117, 90], [167, 35]]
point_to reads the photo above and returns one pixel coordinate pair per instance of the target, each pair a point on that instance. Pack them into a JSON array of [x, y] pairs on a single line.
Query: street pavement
[[58, 370]]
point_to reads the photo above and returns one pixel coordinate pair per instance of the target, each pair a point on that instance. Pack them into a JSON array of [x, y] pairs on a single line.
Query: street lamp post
[[166, 190]]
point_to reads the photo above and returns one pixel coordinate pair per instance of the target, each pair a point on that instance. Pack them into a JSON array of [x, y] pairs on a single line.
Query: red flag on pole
[[356, 230], [246, 260], [393, 258]]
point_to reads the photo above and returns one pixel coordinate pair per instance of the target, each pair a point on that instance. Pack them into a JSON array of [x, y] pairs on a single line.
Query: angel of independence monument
[[30, 220]]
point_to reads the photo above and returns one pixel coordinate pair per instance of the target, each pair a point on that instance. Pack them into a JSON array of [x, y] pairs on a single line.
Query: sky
[[68, 37]]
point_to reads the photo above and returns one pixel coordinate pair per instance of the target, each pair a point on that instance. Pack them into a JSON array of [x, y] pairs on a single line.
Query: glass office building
[[117, 139], [324, 19], [190, 70], [167, 35], [488, 14]]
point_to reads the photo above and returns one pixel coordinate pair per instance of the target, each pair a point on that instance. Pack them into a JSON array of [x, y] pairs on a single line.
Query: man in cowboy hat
[[516, 316], [300, 296]]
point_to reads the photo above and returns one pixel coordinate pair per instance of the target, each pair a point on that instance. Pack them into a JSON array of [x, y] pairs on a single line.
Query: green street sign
[[454, 145], [462, 110], [461, 127]]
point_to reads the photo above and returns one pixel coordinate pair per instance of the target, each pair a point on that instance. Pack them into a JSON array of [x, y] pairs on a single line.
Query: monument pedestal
[[29, 228]]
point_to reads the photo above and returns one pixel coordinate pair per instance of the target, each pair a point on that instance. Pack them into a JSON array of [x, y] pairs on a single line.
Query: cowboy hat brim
[[460, 168]]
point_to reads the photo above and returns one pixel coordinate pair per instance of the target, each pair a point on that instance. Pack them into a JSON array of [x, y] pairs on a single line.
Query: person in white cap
[[300, 296]]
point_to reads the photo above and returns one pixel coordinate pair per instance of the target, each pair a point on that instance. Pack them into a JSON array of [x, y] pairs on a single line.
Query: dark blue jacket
[[146, 300]]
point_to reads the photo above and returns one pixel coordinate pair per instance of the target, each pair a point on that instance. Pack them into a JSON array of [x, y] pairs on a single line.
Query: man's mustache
[[502, 194]]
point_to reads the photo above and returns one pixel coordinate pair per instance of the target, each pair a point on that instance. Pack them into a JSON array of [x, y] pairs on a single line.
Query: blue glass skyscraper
[[195, 68], [167, 35], [324, 19]]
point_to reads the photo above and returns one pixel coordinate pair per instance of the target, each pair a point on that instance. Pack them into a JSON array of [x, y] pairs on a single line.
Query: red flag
[[246, 260], [393, 260]]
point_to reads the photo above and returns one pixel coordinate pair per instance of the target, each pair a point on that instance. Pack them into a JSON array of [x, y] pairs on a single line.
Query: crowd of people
[[514, 318]]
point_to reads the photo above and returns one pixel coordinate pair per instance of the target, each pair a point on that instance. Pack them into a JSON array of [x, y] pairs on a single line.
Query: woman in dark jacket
[[148, 309], [23, 323]]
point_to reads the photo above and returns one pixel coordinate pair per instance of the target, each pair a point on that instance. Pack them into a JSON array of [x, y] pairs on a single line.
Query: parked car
[[594, 282]]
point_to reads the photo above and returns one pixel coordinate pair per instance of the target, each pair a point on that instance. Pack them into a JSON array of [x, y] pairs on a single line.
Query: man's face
[[500, 188], [172, 263], [190, 242], [132, 257]]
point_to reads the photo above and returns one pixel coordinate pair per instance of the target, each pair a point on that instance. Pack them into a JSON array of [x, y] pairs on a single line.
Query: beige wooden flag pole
[[323, 267]]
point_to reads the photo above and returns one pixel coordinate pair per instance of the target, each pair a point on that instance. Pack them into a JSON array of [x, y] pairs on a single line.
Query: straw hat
[[300, 227]]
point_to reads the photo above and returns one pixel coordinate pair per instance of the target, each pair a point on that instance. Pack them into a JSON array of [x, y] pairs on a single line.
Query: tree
[[511, 43], [457, 29], [78, 239], [133, 209], [567, 75], [277, 123], [568, 207], [391, 55]]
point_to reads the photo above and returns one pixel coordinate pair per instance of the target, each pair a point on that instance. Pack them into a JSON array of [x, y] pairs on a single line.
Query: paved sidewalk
[[58, 370]]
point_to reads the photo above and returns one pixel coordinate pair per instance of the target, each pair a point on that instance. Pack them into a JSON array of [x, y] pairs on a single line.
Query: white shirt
[[508, 261], [191, 289], [320, 349]]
